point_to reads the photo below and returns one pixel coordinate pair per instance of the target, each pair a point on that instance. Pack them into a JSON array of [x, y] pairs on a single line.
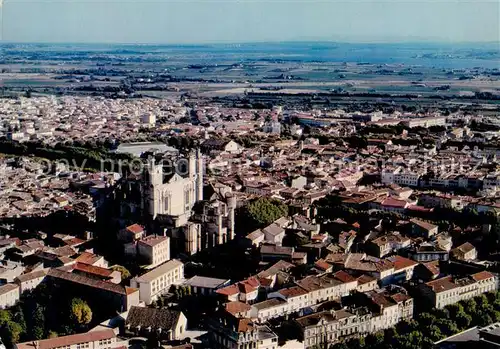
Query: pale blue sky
[[200, 21]]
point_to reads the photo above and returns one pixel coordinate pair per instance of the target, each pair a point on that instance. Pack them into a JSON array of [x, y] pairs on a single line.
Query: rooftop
[[206, 282], [160, 270], [65, 341]]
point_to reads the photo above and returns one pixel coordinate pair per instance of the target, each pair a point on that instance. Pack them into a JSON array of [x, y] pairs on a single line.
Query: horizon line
[[253, 42]]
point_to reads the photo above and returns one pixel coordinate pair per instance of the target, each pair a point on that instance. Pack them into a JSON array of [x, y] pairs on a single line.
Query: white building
[[158, 281], [425, 122], [9, 295], [242, 334], [308, 292], [154, 250], [401, 177], [148, 120], [30, 281], [328, 327], [449, 290]]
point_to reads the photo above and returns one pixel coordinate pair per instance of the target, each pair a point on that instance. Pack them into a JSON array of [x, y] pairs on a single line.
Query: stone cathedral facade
[[170, 201]]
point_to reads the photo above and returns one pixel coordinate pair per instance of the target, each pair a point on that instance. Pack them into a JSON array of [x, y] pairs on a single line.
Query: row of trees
[[85, 158], [428, 328], [331, 207]]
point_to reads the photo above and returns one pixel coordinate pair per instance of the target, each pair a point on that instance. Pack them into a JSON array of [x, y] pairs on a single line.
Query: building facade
[[158, 281], [9, 295], [449, 290]]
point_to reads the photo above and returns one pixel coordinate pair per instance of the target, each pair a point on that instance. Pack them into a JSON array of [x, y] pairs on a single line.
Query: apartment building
[[388, 244], [376, 310], [389, 308], [327, 287], [9, 295], [296, 298], [245, 291], [449, 290], [159, 280], [308, 292], [104, 339], [465, 252], [231, 333], [154, 250], [269, 309], [428, 251], [423, 228], [30, 281], [425, 122], [400, 177], [328, 327]]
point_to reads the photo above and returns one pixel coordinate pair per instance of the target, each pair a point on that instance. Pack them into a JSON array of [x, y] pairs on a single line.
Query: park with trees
[[45, 313]]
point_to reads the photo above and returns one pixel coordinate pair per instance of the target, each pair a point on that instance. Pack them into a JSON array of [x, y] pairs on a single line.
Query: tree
[[494, 314], [441, 313], [38, 321], [433, 332], [454, 309], [264, 211], [374, 340], [4, 317], [481, 302], [341, 345], [14, 331], [426, 319], [81, 313], [10, 331], [406, 326], [469, 306], [124, 271], [483, 319], [463, 320], [18, 317], [159, 302], [356, 343], [446, 326]]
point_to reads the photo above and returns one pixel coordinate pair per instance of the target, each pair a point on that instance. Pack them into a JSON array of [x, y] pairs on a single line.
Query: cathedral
[[170, 192], [173, 201]]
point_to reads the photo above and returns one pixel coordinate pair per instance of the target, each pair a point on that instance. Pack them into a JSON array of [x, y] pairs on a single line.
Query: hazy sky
[[199, 21]]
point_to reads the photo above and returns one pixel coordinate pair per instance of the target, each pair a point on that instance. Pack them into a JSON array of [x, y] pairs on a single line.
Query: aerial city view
[[249, 175]]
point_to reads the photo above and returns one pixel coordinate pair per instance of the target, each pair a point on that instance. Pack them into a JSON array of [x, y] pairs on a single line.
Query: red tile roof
[[482, 275], [391, 202], [402, 262], [292, 292], [87, 258], [64, 341], [230, 290], [443, 284], [322, 265], [237, 307], [344, 277], [135, 228], [91, 269]]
